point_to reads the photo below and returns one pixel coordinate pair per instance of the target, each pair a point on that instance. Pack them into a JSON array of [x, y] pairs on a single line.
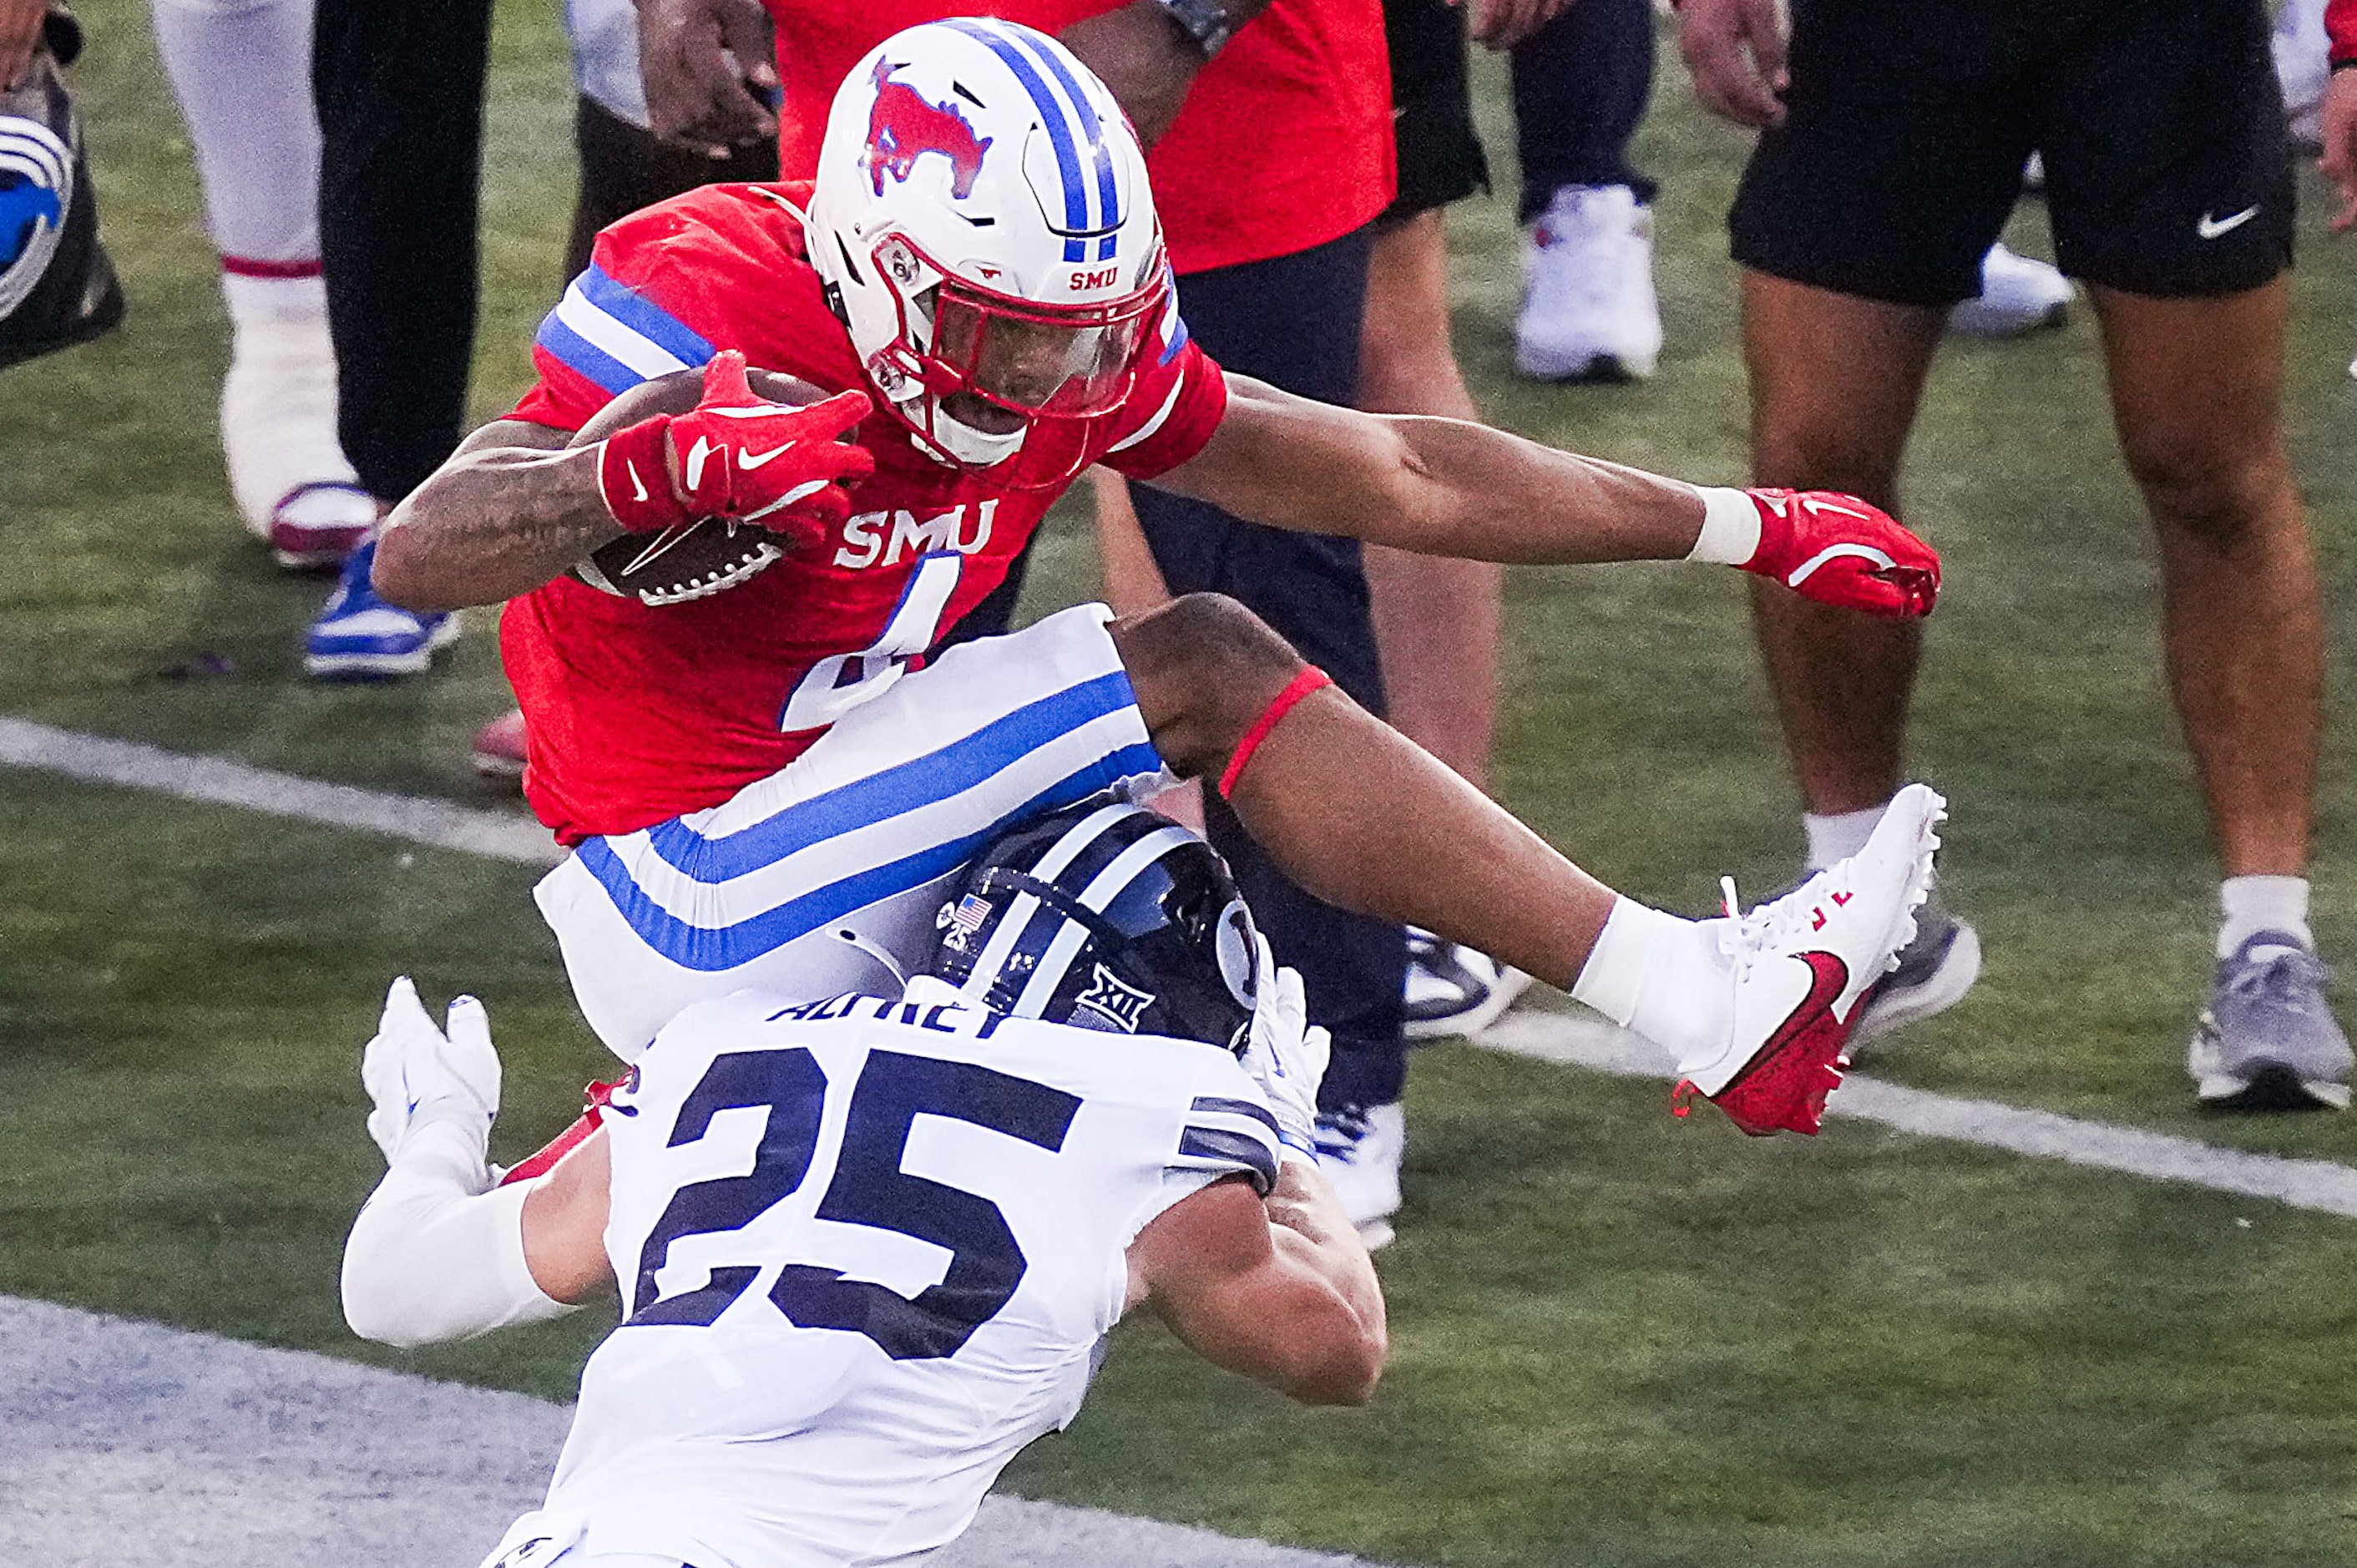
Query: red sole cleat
[[1784, 1088]]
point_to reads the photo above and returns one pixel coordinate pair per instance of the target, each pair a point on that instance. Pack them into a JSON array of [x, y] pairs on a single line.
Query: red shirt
[[638, 713], [2340, 27], [1284, 141]]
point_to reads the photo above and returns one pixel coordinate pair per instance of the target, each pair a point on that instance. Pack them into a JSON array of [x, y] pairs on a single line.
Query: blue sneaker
[[359, 637]]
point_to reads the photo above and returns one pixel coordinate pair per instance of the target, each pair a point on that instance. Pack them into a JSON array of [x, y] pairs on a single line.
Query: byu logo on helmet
[[903, 127]]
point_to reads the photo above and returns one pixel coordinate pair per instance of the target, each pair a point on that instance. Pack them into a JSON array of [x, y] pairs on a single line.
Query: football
[[695, 560]]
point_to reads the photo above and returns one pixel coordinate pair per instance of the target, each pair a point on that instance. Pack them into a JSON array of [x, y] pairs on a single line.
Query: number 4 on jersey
[[840, 683]]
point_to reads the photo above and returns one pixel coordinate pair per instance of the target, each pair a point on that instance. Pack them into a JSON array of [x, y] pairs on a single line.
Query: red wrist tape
[[634, 476], [1300, 686]]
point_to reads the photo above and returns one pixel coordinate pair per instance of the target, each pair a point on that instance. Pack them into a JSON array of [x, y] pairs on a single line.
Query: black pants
[[1581, 84], [1293, 321], [400, 95]]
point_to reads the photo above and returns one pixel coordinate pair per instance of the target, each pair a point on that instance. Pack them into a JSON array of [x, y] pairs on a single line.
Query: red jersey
[[638, 713], [2340, 27], [1284, 141]]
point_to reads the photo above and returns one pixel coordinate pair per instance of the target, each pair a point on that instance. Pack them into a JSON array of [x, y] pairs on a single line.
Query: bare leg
[[2196, 388], [1834, 384], [1437, 621], [1355, 813]]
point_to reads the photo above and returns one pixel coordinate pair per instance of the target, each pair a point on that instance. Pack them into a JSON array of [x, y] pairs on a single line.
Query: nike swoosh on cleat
[[1828, 976], [2210, 228], [763, 460], [697, 456], [636, 483]]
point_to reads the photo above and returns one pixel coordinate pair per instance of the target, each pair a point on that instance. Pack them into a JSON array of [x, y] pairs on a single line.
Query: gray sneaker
[[2267, 1041], [1934, 972]]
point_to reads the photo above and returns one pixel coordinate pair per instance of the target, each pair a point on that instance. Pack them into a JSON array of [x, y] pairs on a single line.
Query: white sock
[[2256, 904], [1837, 837], [1649, 972], [278, 401]]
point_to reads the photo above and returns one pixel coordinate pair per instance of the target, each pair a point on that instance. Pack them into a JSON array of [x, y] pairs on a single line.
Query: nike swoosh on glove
[[1838, 550], [737, 455]]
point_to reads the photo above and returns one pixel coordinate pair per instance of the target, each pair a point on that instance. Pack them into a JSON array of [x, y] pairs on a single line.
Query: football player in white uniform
[[869, 1248]]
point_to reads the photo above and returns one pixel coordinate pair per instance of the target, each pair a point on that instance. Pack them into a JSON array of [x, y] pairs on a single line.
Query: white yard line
[[126, 1443], [2319, 1185], [497, 835]]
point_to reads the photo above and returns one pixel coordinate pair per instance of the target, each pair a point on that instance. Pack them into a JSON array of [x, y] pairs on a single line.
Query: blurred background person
[[242, 72], [399, 92], [1892, 152]]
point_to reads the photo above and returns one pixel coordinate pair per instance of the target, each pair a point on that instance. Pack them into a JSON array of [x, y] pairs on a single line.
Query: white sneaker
[[1798, 966], [2018, 295], [1453, 990], [1588, 309], [1360, 1151]]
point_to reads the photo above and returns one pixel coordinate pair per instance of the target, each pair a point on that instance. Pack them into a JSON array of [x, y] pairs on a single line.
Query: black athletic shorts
[[2167, 167], [1440, 158]]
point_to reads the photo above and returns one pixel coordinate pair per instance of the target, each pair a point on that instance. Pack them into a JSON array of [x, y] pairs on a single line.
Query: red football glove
[[736, 455], [1838, 550]]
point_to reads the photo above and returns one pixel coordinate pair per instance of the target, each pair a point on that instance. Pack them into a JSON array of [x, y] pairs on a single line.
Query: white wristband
[[1730, 527]]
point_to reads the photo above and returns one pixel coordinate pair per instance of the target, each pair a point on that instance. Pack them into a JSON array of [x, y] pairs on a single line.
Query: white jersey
[[867, 1250]]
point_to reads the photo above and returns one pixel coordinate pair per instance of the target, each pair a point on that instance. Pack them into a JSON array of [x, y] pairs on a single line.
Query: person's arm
[[2337, 119], [518, 503], [1450, 487], [1148, 58], [438, 1252], [1281, 1291]]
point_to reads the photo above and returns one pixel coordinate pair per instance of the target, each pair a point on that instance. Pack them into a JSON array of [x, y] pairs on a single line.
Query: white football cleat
[[1798, 966], [2018, 295], [1589, 312]]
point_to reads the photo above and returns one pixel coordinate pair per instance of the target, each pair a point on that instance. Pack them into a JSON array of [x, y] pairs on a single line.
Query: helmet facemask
[[971, 369]]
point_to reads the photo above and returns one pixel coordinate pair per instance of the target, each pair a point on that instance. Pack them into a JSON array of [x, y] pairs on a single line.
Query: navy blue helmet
[[1108, 917]]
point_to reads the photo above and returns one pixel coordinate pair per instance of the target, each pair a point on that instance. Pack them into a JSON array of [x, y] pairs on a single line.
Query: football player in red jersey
[[772, 785]]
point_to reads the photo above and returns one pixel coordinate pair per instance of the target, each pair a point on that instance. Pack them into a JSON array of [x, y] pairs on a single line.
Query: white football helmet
[[982, 217]]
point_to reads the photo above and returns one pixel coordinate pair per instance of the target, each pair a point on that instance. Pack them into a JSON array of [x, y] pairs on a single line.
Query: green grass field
[[1618, 1339]]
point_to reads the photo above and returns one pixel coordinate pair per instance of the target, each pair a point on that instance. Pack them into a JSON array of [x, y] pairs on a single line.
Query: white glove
[[418, 1074], [1285, 1054]]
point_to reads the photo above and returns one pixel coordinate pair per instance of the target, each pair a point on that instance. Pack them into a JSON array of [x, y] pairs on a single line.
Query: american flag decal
[[963, 919]]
